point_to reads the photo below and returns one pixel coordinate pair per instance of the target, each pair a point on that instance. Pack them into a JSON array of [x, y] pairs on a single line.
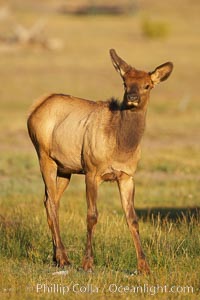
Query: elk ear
[[161, 73], [120, 65]]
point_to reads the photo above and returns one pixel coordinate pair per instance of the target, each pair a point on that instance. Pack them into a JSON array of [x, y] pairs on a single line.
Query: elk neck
[[130, 129]]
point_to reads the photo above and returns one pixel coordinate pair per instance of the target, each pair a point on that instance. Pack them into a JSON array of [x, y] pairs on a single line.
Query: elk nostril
[[132, 97]]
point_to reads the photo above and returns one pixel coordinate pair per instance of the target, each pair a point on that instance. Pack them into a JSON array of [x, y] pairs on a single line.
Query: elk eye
[[147, 87]]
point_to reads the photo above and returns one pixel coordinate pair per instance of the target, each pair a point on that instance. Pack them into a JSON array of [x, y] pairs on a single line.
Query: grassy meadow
[[167, 178]]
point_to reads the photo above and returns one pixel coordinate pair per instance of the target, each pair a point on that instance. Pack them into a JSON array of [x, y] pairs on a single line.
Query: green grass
[[172, 249], [172, 246], [167, 176]]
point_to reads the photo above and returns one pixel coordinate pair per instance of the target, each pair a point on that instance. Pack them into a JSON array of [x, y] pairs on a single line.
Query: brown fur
[[37, 103], [98, 139]]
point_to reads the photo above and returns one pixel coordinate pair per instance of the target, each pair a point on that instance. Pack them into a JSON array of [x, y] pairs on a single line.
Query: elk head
[[137, 84]]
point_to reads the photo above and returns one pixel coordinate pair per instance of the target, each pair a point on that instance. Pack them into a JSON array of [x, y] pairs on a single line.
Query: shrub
[[155, 29]]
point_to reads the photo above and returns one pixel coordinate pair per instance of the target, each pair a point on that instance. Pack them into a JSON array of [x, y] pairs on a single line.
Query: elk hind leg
[[62, 184], [53, 191], [92, 216]]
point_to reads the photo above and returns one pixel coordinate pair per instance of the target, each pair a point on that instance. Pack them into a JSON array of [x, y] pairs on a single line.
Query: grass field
[[167, 179]]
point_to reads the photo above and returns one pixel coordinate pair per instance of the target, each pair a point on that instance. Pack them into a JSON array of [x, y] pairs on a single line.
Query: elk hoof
[[62, 259], [88, 264], [143, 267]]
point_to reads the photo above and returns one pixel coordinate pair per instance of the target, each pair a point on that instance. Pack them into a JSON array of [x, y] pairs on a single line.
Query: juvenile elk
[[98, 139]]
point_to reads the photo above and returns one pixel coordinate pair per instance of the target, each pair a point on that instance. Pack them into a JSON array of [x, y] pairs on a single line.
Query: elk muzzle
[[133, 99]]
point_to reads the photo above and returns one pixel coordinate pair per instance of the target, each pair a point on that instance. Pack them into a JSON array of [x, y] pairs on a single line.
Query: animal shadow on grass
[[169, 213], [186, 215]]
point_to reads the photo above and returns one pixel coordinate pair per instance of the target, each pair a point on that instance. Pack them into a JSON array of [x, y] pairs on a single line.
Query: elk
[[98, 139]]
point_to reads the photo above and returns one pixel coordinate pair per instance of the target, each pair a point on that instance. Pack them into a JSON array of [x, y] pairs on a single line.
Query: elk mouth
[[133, 103]]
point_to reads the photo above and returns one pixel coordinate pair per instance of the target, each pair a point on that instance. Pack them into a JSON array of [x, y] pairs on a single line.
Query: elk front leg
[[127, 190], [92, 215]]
